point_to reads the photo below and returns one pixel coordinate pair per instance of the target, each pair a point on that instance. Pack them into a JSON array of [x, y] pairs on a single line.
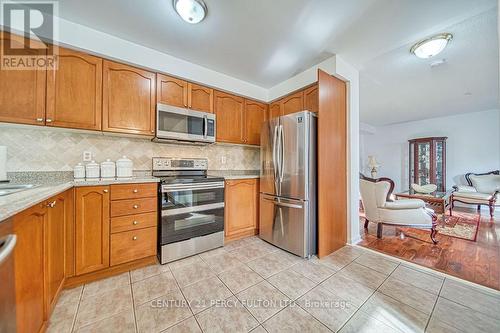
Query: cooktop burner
[[182, 170]]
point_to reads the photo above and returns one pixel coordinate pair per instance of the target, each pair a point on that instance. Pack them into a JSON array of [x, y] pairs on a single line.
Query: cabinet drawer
[[132, 191], [131, 245], [133, 222], [133, 206]]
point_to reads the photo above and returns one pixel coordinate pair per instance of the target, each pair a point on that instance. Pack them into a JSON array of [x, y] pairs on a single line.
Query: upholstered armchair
[[482, 189], [381, 209]]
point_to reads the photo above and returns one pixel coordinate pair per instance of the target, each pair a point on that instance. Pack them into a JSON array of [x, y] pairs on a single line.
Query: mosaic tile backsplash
[[46, 149]]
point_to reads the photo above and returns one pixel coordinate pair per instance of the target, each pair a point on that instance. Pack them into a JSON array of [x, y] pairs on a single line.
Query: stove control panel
[[167, 163]]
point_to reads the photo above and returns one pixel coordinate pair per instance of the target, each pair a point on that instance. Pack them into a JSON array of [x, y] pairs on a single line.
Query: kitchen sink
[[14, 188]]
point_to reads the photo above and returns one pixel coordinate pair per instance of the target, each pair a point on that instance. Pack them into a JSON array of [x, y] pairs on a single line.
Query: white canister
[[79, 171], [108, 169], [92, 170], [124, 167]]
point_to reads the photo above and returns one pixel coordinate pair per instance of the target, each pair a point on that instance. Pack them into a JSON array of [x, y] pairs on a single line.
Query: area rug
[[454, 226]]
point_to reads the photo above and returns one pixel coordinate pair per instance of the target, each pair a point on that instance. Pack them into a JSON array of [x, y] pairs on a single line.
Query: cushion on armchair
[[405, 204], [486, 183]]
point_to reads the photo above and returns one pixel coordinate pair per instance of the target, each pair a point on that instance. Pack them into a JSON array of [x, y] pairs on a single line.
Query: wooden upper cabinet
[[92, 229], [22, 92], [275, 110], [292, 103], [229, 110], [171, 91], [311, 98], [29, 227], [255, 116], [129, 103], [74, 91], [200, 98]]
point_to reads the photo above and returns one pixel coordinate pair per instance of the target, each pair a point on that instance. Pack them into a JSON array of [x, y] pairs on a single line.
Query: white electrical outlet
[[87, 156], [223, 159]]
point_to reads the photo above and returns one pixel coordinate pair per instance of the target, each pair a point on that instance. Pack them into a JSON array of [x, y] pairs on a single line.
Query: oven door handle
[[185, 210], [193, 187]]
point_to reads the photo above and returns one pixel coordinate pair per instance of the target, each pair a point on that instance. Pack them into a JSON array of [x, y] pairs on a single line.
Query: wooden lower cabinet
[[29, 227], [131, 245], [91, 229], [241, 211]]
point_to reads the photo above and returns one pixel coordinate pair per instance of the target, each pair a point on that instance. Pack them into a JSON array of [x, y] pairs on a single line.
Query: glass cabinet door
[[439, 164], [428, 161], [424, 163]]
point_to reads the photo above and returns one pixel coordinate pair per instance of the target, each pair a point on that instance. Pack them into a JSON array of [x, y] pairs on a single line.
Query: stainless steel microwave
[[179, 124]]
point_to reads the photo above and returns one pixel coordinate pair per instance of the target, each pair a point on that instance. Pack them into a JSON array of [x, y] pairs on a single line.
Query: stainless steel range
[[191, 206]]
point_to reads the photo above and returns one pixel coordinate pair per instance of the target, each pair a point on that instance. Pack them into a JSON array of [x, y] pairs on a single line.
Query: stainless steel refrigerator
[[288, 188]]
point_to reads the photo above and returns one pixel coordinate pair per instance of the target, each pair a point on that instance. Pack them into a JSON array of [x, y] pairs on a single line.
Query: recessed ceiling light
[[432, 46], [191, 11]]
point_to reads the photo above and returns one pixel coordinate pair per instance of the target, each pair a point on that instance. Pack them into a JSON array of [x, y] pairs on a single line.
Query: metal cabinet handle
[[7, 245], [135, 223], [39, 120], [48, 120], [134, 238], [135, 206], [105, 191], [135, 190], [51, 204]]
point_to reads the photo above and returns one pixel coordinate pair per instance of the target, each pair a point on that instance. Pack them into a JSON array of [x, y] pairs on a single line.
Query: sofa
[[376, 195], [482, 189]]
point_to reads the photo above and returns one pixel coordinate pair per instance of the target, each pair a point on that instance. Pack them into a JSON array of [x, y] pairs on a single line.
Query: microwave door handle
[[205, 126]]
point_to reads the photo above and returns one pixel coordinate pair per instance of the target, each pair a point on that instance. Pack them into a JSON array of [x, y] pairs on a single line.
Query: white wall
[[473, 145]]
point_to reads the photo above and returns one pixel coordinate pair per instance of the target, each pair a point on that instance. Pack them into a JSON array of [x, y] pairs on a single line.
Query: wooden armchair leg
[[366, 223], [379, 230]]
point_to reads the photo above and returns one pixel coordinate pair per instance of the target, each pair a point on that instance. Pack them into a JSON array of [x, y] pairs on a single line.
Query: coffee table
[[440, 202]]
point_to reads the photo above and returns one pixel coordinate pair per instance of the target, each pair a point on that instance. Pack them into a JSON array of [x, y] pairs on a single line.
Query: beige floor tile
[[263, 300], [337, 261], [103, 305], [291, 283], [63, 315], [214, 252], [472, 297], [192, 273], [60, 326], [328, 308], [123, 322], [461, 317], [205, 293], [408, 294], [294, 319], [285, 255], [105, 285], [314, 272], [378, 263], [237, 244], [361, 322], [148, 271], [184, 262], [231, 316], [187, 326], [153, 287], [70, 295], [251, 252], [348, 289], [162, 313], [363, 275], [437, 326], [395, 314], [270, 264], [259, 329], [430, 282], [240, 278], [221, 262]]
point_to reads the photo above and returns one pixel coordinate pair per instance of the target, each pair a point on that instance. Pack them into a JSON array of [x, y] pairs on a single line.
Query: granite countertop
[[235, 174], [50, 184]]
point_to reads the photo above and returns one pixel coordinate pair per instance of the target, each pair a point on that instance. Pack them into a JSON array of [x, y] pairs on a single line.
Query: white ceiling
[[265, 42]]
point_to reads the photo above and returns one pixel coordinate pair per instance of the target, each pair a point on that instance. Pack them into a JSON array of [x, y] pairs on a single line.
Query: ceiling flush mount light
[[191, 11], [432, 46]]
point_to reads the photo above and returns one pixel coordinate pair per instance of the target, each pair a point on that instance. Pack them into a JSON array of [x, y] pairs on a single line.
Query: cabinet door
[[22, 92], [60, 214], [311, 98], [255, 116], [129, 101], [241, 209], [293, 103], [29, 268], [74, 91], [229, 110], [275, 110], [172, 91], [200, 98], [92, 229]]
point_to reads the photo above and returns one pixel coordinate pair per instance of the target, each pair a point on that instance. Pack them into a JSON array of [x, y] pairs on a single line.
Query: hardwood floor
[[477, 262]]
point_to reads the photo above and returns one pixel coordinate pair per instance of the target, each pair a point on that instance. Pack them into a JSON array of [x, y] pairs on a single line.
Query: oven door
[[175, 123], [191, 210]]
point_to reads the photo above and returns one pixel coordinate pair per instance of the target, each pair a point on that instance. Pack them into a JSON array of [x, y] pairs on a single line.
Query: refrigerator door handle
[[282, 153], [284, 204], [275, 156]]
